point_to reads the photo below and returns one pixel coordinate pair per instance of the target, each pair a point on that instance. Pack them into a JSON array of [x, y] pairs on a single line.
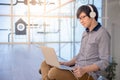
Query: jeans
[[52, 73]]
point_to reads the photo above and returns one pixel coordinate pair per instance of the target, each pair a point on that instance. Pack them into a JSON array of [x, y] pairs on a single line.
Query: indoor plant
[[111, 70]]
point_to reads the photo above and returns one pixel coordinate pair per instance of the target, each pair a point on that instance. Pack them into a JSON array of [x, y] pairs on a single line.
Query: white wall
[[113, 25]]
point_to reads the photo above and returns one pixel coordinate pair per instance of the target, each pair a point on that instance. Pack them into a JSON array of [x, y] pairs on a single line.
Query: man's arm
[[80, 71]]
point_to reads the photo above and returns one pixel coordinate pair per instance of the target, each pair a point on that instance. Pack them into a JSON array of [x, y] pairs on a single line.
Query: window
[[48, 22]]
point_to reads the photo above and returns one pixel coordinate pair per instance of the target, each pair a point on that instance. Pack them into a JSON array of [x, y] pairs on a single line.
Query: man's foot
[[39, 71]]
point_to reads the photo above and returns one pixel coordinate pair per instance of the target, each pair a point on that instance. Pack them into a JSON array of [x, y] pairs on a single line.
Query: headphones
[[92, 13]]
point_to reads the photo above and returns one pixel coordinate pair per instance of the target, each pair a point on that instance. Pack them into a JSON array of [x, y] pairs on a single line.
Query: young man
[[94, 51]]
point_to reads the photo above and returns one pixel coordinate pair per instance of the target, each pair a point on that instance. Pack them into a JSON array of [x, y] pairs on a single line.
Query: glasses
[[82, 17]]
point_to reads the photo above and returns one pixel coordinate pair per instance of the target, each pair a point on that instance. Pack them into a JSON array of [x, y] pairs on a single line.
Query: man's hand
[[79, 72], [65, 63]]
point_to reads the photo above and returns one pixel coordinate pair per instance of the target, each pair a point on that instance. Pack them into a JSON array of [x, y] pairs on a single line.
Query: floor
[[20, 62]]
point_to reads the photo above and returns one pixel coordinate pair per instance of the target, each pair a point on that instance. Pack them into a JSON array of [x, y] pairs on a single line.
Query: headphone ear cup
[[92, 14]]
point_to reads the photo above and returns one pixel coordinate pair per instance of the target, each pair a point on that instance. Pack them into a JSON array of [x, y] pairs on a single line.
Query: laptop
[[51, 58]]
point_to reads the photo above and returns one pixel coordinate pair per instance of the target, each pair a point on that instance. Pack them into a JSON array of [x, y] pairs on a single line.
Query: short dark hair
[[86, 9]]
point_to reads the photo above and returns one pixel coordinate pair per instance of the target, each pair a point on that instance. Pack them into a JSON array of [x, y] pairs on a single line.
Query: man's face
[[85, 20]]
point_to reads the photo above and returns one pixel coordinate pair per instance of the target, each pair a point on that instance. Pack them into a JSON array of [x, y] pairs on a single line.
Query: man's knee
[[53, 73], [42, 66]]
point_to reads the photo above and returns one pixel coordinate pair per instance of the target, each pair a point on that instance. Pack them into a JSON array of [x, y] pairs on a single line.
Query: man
[[94, 51]]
